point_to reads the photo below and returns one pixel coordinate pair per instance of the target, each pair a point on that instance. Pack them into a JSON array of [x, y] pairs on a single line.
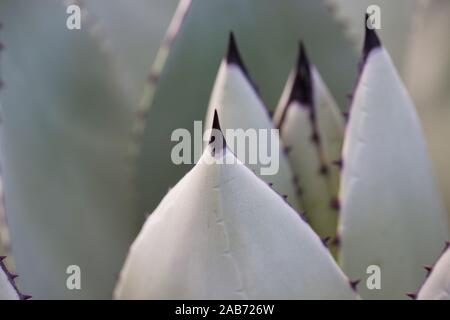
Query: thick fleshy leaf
[[437, 285], [190, 59], [65, 137], [240, 107], [396, 18], [392, 214], [223, 233], [428, 79], [132, 31], [8, 290], [312, 131]]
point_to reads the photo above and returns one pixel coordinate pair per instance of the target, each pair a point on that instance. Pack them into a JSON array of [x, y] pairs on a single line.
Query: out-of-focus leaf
[[392, 214], [132, 31], [437, 285], [240, 108], [268, 35], [222, 233], [397, 18], [428, 79], [312, 131], [65, 133]]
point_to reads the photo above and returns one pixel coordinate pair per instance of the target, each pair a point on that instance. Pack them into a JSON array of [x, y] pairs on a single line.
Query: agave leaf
[[132, 31], [312, 130], [392, 214], [64, 154], [190, 59], [216, 235], [437, 285], [428, 79], [397, 19], [8, 289], [331, 125], [240, 107]]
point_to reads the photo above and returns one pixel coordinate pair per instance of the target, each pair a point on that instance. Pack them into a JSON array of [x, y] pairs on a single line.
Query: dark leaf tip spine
[[233, 56], [216, 131], [302, 88], [371, 41]]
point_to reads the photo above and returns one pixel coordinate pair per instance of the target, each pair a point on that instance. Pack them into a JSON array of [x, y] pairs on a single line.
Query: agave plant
[[86, 156]]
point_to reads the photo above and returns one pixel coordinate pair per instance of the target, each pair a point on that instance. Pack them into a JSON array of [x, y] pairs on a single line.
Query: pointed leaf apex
[[302, 51], [302, 89], [303, 60], [216, 126], [216, 123], [233, 55], [371, 40]]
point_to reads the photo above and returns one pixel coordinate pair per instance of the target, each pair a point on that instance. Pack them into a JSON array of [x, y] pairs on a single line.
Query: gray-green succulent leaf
[[437, 284], [131, 32], [241, 109], [392, 215], [312, 128], [64, 153], [223, 233]]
